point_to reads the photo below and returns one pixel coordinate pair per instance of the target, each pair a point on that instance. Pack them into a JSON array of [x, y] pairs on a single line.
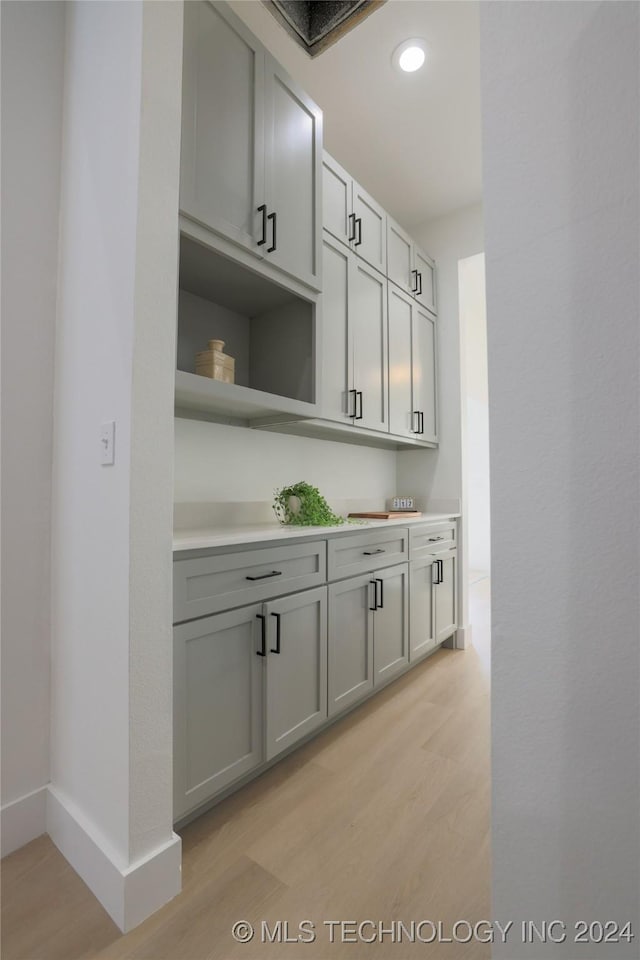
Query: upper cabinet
[[412, 369], [409, 267], [352, 216], [251, 145]]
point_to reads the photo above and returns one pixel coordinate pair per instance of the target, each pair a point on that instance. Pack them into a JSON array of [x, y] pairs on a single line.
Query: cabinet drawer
[[207, 585], [370, 551], [432, 538]]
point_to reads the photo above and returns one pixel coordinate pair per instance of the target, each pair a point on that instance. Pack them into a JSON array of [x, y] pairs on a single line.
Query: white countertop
[[203, 538]]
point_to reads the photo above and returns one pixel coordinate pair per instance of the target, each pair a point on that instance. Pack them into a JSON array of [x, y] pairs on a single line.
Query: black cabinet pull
[[416, 413], [375, 595], [352, 225], [355, 403], [274, 219], [381, 604], [263, 210], [438, 566], [359, 225], [421, 422], [276, 649], [360, 404], [435, 539], [263, 652], [440, 571], [265, 576], [371, 553], [419, 292], [414, 289]]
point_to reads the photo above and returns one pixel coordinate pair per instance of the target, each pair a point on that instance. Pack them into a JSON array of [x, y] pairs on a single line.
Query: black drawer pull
[[375, 596], [276, 649], [263, 652], [263, 210], [434, 539], [381, 604], [370, 553], [274, 220], [265, 576]]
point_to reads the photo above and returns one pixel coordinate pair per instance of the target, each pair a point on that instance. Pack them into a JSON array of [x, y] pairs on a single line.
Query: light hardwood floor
[[384, 817]]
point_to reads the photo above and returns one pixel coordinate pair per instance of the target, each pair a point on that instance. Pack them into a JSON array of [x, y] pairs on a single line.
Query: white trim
[[463, 638], [23, 820], [129, 894]]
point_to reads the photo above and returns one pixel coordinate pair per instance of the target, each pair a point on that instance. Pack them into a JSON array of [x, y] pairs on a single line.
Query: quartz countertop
[[202, 538]]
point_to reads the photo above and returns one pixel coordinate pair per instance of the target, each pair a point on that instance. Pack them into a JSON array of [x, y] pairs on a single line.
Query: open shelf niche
[[267, 329]]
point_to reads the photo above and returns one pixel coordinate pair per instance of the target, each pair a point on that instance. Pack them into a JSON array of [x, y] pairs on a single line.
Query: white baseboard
[[23, 820], [129, 894], [463, 637]]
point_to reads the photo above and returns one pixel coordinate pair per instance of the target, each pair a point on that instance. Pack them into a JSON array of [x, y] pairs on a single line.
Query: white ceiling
[[411, 140]]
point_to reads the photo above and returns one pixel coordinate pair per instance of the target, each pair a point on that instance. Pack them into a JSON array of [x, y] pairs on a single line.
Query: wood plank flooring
[[384, 817]]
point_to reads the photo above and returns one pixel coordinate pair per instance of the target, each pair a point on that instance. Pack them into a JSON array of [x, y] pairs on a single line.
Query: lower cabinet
[[433, 602], [247, 685], [218, 700], [368, 633], [295, 668]]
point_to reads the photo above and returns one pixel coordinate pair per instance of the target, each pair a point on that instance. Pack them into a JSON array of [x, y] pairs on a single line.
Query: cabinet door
[[222, 162], [391, 623], [402, 421], [421, 613], [445, 597], [368, 330], [296, 685], [217, 680], [370, 234], [350, 641], [425, 382], [425, 267], [336, 201], [293, 170], [400, 257], [337, 349]]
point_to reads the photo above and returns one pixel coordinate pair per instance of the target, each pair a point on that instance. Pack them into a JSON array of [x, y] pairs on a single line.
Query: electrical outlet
[[108, 443]]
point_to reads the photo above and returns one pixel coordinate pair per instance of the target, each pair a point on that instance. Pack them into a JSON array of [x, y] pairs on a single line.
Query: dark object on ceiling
[[317, 24]]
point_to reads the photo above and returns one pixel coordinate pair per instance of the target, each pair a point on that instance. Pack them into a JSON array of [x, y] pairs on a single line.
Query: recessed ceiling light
[[410, 55]]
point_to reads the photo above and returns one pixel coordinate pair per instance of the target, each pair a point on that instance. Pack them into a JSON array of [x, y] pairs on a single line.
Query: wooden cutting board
[[387, 514]]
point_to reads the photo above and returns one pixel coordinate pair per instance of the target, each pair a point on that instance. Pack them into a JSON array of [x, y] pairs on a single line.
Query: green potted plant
[[303, 505]]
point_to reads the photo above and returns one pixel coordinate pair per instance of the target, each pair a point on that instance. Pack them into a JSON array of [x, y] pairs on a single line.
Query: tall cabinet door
[[350, 641], [217, 704], [296, 668], [370, 229], [426, 270], [425, 383], [336, 200], [368, 326], [402, 421], [293, 165], [337, 348], [421, 612], [391, 622], [222, 162], [400, 257], [445, 597]]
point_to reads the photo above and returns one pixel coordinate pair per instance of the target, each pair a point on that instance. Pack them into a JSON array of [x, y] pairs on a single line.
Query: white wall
[[224, 464], [561, 103], [475, 412], [32, 78], [110, 809]]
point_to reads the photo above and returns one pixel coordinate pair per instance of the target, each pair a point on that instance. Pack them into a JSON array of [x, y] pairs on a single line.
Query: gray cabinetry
[[412, 368], [422, 623], [217, 680], [391, 623], [251, 145], [296, 668], [351, 612], [409, 267], [352, 216], [354, 351], [445, 595], [361, 553]]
